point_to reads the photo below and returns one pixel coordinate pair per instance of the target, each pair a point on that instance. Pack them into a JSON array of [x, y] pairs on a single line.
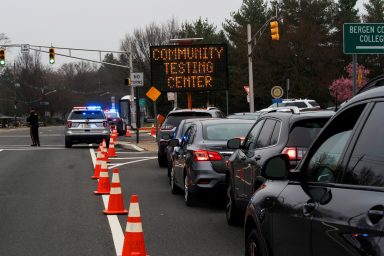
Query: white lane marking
[[127, 158], [28, 136], [121, 164], [25, 149], [114, 224], [133, 152], [1, 150], [28, 146]]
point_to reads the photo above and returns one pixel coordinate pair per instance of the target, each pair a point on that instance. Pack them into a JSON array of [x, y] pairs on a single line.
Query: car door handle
[[258, 157], [376, 213], [308, 208]]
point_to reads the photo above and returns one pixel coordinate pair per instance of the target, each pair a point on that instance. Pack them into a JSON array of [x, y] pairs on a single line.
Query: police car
[[86, 125]]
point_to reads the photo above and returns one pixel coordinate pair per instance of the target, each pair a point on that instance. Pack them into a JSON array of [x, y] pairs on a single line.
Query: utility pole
[[250, 69]]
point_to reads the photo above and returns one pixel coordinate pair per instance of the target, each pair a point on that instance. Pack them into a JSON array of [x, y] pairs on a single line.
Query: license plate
[[86, 125]]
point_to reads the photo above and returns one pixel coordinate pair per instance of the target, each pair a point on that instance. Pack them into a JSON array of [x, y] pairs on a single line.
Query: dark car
[[178, 134], [273, 134], [334, 204], [115, 121], [199, 162], [173, 120]]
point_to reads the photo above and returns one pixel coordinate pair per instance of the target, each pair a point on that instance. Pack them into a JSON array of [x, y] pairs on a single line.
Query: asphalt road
[[48, 208]]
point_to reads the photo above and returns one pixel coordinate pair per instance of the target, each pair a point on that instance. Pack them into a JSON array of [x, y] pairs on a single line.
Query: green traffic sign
[[363, 38]]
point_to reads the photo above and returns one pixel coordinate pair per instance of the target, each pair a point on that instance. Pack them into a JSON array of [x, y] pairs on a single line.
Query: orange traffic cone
[[128, 133], [111, 149], [134, 236], [115, 202], [103, 187], [153, 131], [105, 151], [97, 169]]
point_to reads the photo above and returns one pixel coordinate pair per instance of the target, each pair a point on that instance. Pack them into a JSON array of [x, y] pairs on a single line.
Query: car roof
[[369, 91], [299, 116], [210, 110], [224, 121]]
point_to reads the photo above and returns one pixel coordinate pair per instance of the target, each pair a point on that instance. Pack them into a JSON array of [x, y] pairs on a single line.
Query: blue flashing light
[[93, 107]]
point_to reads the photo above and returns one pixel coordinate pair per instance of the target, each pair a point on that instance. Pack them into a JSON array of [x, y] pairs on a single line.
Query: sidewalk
[[146, 142]]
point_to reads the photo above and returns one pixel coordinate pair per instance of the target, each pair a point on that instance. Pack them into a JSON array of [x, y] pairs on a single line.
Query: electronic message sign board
[[183, 68]]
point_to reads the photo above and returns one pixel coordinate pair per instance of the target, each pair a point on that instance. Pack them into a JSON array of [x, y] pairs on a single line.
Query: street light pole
[[250, 69]]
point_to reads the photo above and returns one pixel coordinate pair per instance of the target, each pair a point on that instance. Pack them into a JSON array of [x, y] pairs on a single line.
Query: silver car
[[86, 125]]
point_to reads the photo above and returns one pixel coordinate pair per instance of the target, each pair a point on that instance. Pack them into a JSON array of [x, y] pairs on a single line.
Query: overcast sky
[[99, 24]]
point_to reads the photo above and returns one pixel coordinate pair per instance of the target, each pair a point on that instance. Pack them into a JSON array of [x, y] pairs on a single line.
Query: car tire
[[68, 142], [161, 160], [231, 212], [174, 189], [254, 245], [189, 197]]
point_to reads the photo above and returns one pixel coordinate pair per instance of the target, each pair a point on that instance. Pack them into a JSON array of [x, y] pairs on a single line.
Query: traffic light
[[274, 30], [2, 57], [52, 55]]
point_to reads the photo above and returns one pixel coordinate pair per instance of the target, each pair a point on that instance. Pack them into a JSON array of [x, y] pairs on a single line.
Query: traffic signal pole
[[252, 42]]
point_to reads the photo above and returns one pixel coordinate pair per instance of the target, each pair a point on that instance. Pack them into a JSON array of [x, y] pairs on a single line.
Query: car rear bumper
[[207, 179], [90, 138]]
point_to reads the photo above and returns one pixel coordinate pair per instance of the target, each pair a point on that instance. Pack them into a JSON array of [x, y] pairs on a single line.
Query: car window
[[265, 134], [304, 132], [189, 135], [86, 114], [366, 164], [276, 133], [174, 119], [296, 104], [250, 140], [325, 155], [225, 131]]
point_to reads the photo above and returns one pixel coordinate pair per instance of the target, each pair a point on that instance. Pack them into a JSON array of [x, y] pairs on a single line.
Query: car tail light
[[69, 124], [294, 153], [105, 123], [203, 155]]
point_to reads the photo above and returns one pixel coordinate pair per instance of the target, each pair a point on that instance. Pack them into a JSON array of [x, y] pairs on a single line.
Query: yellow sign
[[277, 92], [153, 93]]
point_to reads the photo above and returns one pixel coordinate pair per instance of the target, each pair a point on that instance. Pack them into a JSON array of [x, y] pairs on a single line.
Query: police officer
[[33, 121]]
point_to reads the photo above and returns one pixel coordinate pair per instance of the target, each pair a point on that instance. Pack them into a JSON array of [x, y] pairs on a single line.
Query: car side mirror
[[276, 168], [174, 142], [234, 143], [166, 136]]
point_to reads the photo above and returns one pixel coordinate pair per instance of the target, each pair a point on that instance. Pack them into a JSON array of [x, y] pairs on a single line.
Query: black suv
[[334, 203], [273, 134], [173, 120]]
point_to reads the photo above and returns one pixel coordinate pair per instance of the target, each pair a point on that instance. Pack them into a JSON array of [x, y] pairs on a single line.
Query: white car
[[302, 104]]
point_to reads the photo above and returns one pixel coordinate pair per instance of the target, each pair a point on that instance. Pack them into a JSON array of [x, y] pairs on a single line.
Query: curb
[[129, 146]]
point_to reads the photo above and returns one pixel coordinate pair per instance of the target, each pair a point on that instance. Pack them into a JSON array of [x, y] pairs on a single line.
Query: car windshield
[[86, 114], [298, 104], [112, 115], [305, 131], [313, 103], [225, 131], [174, 119]]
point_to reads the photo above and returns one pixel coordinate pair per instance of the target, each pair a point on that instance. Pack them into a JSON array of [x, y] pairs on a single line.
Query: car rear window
[[295, 104], [86, 114], [304, 132], [174, 119], [112, 115], [225, 131], [313, 103]]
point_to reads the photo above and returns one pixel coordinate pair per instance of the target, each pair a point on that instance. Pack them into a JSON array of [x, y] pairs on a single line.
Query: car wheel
[[161, 160], [68, 142], [188, 195], [231, 212], [253, 246], [169, 170], [174, 188]]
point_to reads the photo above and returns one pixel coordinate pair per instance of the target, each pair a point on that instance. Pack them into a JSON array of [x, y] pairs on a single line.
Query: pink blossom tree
[[341, 88]]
